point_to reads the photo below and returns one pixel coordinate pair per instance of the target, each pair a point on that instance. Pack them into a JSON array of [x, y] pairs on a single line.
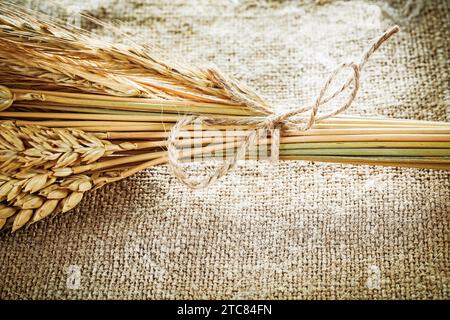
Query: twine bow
[[272, 122]]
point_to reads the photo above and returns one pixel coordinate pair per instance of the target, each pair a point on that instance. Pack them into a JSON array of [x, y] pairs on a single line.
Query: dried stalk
[[79, 113]]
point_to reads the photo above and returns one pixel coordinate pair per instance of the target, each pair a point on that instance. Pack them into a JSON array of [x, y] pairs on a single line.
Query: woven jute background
[[294, 230]]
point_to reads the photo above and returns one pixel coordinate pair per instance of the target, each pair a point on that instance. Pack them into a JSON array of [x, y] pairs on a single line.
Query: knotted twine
[[273, 122]]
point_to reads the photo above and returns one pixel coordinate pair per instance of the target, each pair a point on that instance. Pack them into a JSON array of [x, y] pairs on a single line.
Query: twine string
[[273, 122]]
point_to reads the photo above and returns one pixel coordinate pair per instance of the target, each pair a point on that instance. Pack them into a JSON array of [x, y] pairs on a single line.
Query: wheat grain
[[6, 98]]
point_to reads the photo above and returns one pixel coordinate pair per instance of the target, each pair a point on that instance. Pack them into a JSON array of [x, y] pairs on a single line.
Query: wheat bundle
[[78, 113]]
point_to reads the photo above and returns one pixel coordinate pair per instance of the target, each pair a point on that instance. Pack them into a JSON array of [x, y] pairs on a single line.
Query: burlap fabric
[[295, 230]]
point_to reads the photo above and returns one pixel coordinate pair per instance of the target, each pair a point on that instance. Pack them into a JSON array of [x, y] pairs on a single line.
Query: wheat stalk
[[78, 113]]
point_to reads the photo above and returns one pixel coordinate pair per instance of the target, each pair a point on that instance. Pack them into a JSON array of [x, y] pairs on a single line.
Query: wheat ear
[[36, 179]]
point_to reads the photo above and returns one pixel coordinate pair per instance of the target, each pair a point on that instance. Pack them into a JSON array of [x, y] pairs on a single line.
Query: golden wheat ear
[[36, 53], [45, 171], [36, 179]]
